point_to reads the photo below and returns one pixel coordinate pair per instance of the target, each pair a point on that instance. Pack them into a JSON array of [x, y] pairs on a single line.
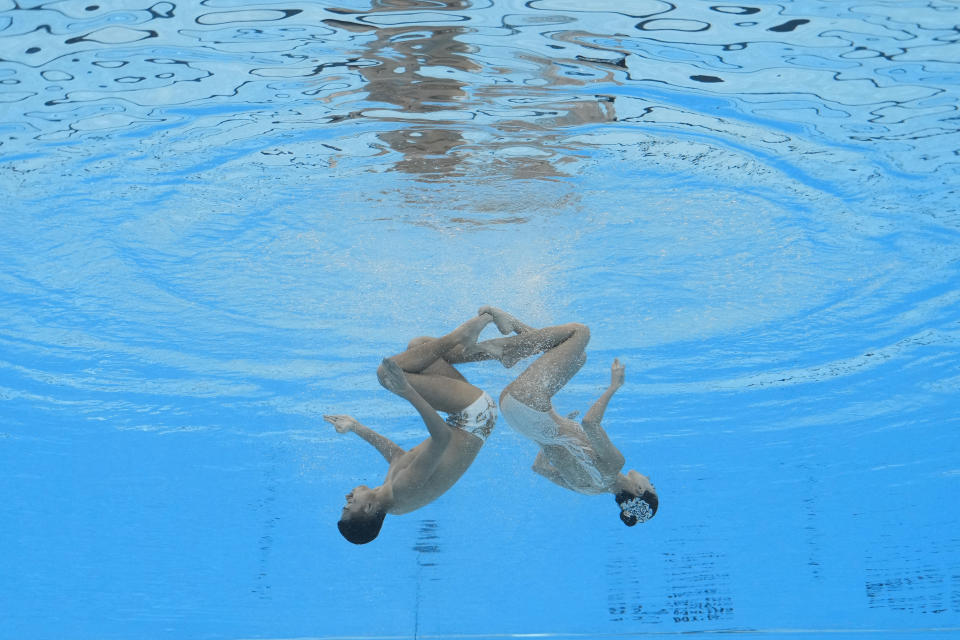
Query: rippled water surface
[[220, 215]]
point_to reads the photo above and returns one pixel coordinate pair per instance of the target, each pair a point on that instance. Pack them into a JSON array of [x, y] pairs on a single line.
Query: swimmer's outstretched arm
[[345, 424], [591, 422]]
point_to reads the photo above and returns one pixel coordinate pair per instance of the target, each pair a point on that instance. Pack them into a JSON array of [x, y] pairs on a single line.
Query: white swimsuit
[[542, 428], [478, 418]]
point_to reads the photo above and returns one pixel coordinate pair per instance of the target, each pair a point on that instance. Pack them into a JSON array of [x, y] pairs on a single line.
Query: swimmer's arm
[[591, 422], [387, 448], [543, 467]]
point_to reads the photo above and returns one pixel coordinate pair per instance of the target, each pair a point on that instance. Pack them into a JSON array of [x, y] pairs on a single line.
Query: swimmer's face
[[360, 500], [640, 483]]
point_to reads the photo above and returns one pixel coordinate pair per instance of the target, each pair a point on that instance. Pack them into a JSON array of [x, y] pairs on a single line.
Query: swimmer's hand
[[616, 374], [392, 378], [343, 424]]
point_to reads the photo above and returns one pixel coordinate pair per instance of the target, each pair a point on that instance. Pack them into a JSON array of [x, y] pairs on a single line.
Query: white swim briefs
[[478, 418]]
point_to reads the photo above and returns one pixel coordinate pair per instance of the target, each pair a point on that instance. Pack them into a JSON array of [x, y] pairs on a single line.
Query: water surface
[[222, 215]]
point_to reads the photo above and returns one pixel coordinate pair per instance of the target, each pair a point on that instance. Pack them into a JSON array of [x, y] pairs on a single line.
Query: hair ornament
[[637, 508]]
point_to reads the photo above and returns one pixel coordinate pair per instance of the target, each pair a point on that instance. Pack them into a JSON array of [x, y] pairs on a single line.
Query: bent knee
[[579, 333], [416, 342], [581, 330]]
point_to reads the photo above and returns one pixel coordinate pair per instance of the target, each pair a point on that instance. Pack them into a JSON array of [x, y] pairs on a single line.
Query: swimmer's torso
[[409, 494], [576, 461]]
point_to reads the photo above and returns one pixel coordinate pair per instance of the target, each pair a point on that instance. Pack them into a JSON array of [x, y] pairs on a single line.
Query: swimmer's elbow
[[619, 461], [590, 424], [542, 467], [614, 460]]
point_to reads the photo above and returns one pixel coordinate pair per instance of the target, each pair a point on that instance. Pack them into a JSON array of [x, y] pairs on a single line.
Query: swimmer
[[423, 375], [576, 456]]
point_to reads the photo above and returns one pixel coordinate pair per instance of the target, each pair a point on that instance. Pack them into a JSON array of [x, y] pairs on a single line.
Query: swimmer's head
[[634, 509], [362, 518], [638, 499]]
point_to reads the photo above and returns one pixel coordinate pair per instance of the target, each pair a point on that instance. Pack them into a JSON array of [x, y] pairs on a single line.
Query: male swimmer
[[423, 375], [579, 457]]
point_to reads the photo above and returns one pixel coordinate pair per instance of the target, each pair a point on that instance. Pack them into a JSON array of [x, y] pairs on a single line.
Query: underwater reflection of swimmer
[[419, 69], [424, 376], [579, 457]]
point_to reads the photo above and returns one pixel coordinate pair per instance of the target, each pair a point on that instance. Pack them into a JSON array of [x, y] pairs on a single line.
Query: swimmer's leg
[[511, 350], [505, 322], [395, 380], [442, 393], [442, 366], [507, 351], [433, 377], [564, 354], [422, 353]]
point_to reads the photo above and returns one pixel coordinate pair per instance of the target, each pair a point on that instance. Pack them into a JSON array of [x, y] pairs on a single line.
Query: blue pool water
[[219, 216]]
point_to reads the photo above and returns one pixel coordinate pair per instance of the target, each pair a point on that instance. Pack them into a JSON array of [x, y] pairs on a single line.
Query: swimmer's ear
[[572, 415]]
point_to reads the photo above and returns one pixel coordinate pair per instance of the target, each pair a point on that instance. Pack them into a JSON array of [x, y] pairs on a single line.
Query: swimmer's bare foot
[[502, 319], [505, 322], [502, 349], [469, 331], [392, 377]]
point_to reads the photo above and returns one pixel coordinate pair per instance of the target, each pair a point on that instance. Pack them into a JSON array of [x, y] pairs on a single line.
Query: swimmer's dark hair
[[362, 529], [624, 496]]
